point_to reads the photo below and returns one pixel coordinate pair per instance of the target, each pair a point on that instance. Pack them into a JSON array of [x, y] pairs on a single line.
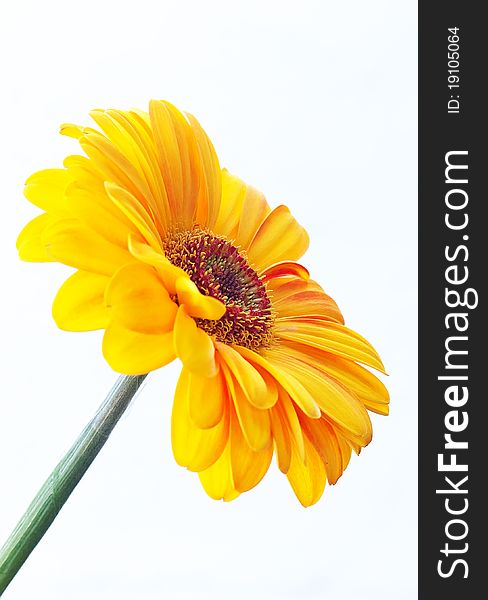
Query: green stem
[[63, 480]]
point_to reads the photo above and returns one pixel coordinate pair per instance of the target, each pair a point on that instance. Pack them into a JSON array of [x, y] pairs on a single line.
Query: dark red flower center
[[220, 270]]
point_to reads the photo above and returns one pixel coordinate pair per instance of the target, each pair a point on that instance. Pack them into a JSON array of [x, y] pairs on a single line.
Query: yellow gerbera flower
[[178, 258]]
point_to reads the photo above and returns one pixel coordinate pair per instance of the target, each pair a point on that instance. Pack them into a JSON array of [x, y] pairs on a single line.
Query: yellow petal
[[300, 297], [208, 203], [289, 416], [138, 300], [30, 244], [79, 304], [254, 211], [336, 401], [169, 273], [72, 243], [46, 190], [366, 386], [296, 390], [117, 168], [254, 422], [91, 205], [193, 346], [279, 238], [307, 478], [249, 378], [233, 193], [135, 212], [178, 159], [331, 337], [281, 439], [217, 480], [134, 353], [324, 439], [207, 396], [193, 447], [198, 305], [248, 466]]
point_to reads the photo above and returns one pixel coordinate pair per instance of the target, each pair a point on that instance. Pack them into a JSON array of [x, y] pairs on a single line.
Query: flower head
[[178, 258]]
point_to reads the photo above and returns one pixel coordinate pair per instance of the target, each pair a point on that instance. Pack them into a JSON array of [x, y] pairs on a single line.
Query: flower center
[[219, 270]]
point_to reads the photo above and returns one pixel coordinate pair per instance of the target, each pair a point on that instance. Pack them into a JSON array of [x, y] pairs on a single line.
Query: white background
[[315, 104]]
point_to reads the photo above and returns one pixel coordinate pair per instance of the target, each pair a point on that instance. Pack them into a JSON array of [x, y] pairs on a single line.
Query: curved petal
[[330, 337], [198, 305], [134, 353], [208, 202], [233, 193], [136, 213], [335, 401], [30, 244], [324, 439], [193, 447], [255, 423], [79, 304], [46, 190], [193, 346], [249, 466], [366, 386], [281, 438], [279, 238], [254, 211], [217, 480], [169, 273], [298, 297], [74, 244], [295, 389], [307, 478], [207, 397], [137, 299], [285, 269], [249, 378]]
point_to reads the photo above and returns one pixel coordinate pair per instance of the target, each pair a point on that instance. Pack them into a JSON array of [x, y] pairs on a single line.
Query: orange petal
[[249, 378], [330, 337], [279, 238], [299, 297], [335, 401], [136, 213], [210, 184], [307, 478], [254, 211], [255, 423], [193, 346], [233, 193], [281, 439], [285, 269], [324, 439], [296, 390]]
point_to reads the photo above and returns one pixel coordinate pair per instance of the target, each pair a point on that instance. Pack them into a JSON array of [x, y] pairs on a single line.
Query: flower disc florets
[[220, 270]]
